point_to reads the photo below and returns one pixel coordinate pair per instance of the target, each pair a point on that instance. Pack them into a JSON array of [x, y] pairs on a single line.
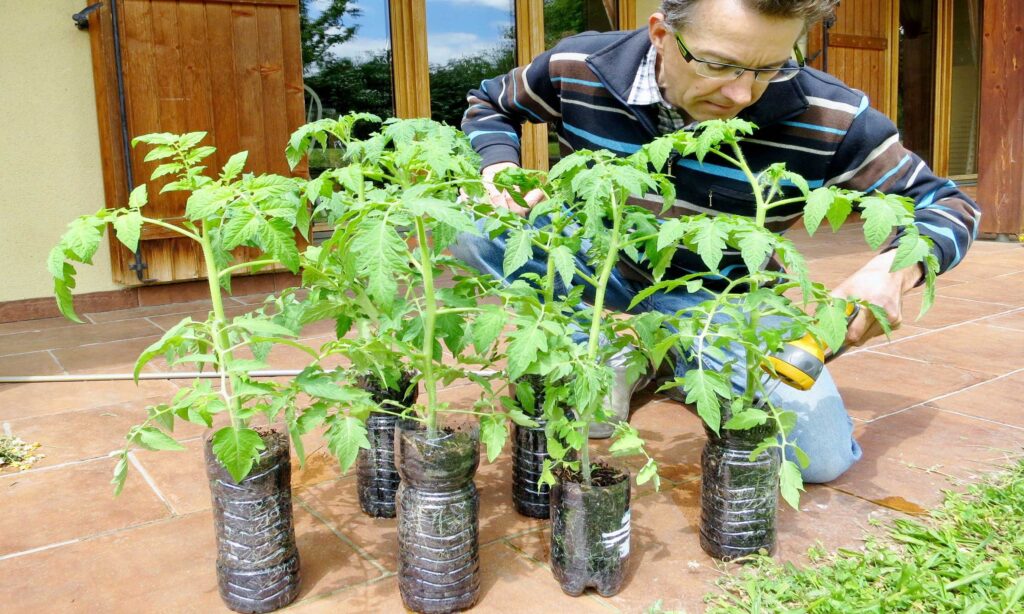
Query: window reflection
[[467, 41], [346, 57]]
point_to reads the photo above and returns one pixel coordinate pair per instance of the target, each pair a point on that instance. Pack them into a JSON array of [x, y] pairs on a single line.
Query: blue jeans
[[824, 430]]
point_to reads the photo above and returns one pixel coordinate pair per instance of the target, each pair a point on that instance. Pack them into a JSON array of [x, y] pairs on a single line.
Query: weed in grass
[[967, 556]]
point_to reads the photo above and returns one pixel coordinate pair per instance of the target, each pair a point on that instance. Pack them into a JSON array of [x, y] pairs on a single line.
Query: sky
[[454, 27]]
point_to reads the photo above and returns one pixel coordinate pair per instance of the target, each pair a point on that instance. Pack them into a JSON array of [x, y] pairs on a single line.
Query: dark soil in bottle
[[739, 496], [257, 561], [438, 522], [529, 449], [377, 477], [590, 528]]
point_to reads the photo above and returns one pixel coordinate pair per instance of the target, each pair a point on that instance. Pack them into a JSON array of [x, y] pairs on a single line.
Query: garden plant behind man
[[716, 59]]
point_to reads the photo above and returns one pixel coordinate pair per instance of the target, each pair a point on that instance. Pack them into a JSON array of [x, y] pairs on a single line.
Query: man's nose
[[740, 91]]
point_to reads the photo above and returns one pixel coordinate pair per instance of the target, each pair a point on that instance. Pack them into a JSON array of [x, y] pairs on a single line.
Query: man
[[704, 59]]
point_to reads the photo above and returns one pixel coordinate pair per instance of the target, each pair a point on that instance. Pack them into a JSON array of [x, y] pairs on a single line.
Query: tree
[[327, 29]]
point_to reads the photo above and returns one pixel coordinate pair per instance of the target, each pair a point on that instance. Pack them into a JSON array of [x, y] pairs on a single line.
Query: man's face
[[721, 31]]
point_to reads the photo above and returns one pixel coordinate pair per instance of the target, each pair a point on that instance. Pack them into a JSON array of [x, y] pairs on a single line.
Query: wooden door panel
[[862, 50], [232, 69]]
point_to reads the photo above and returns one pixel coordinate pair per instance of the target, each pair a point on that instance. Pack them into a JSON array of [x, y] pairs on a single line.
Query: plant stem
[[173, 228], [245, 265], [221, 343], [610, 260], [429, 321], [762, 208]]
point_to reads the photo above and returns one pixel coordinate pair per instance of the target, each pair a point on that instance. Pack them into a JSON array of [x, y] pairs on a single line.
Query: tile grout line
[[60, 365], [101, 534], [983, 419], [359, 549], [933, 331], [53, 467], [15, 555], [152, 484], [949, 394], [328, 595]]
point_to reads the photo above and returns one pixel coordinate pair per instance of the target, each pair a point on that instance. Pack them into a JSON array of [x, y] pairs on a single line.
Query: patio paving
[[934, 409]]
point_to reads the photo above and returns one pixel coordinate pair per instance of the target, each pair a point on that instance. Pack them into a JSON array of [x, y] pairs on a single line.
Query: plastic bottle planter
[[590, 532], [377, 477], [529, 449], [257, 561], [438, 546], [739, 498]]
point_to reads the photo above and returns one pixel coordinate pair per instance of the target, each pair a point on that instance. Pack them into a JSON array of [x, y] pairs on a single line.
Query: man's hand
[[875, 283], [501, 198]]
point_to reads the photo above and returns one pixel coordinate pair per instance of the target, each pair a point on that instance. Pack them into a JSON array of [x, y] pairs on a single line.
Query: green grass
[[966, 557]]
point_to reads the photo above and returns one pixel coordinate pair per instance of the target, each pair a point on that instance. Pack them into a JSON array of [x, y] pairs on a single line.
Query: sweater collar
[[617, 64]]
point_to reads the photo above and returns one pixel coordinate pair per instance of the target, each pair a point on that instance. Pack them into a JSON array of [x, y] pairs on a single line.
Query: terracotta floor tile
[[80, 435], [1014, 320], [947, 310], [903, 332], [998, 400], [337, 504], [1004, 289], [73, 337], [46, 506], [875, 385], [19, 401], [984, 262], [33, 363], [498, 515], [968, 347], [25, 326], [899, 451], [181, 579], [374, 596], [180, 476], [113, 357], [150, 311]]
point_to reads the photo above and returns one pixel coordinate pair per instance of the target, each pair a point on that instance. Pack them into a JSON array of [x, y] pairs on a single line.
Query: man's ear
[[658, 30]]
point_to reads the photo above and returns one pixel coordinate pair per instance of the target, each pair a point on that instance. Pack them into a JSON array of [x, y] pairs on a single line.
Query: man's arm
[[871, 158], [497, 110]]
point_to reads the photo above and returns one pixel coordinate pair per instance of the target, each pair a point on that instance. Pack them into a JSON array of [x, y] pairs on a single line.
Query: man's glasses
[[718, 70]]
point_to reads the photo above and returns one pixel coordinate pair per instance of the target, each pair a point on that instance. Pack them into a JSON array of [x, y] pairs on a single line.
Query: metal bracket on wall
[[81, 18]]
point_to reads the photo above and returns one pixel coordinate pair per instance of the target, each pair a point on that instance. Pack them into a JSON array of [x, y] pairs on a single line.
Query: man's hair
[[679, 13]]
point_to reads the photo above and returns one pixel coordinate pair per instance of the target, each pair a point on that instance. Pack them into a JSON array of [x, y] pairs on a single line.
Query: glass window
[[916, 90], [346, 58], [563, 18], [965, 89], [467, 41]]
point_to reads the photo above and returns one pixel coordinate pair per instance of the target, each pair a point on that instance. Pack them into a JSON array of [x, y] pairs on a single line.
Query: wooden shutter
[[230, 68], [862, 50]]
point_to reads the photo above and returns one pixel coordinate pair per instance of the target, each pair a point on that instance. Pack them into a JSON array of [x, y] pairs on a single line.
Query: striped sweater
[[819, 127]]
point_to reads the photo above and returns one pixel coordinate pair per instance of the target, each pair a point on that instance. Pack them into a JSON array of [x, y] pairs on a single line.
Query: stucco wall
[[49, 143], [644, 8]]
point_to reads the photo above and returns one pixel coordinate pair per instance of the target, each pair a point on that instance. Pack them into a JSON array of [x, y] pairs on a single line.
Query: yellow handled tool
[[800, 362]]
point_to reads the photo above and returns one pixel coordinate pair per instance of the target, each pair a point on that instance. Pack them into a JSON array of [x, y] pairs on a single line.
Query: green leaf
[[345, 437], [82, 238], [242, 227], [234, 166], [521, 419], [237, 450], [278, 239], [628, 443], [913, 249], [523, 347], [138, 198], [658, 151], [710, 242], [263, 328], [747, 419], [791, 483], [671, 232], [380, 253], [832, 324], [756, 245], [129, 228], [55, 262], [120, 473], [565, 263], [443, 211], [152, 438], [62, 291], [801, 456], [840, 209], [649, 472], [487, 326], [493, 433], [518, 250], [817, 206], [704, 387], [879, 220], [208, 202]]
